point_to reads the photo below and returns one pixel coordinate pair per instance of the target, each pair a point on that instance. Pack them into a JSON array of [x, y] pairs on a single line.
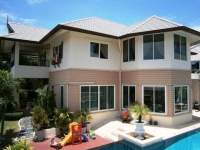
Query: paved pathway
[[26, 129]]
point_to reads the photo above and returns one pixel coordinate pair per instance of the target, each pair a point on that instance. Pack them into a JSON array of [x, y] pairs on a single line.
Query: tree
[[9, 85], [46, 99]]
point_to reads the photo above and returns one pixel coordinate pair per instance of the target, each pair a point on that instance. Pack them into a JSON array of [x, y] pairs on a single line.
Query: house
[[105, 66]]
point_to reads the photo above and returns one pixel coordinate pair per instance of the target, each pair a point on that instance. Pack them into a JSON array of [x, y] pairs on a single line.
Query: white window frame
[[188, 93], [128, 94], [153, 48], [154, 97], [98, 97], [99, 49]]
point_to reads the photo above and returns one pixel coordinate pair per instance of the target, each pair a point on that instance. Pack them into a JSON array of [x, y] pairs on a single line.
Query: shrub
[[21, 145], [39, 119], [14, 116]]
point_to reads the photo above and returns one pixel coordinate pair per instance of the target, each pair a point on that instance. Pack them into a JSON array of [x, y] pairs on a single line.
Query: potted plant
[[62, 118], [140, 111], [84, 115], [40, 121]]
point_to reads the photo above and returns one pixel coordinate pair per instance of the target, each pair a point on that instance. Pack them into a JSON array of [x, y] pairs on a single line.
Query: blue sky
[[48, 13]]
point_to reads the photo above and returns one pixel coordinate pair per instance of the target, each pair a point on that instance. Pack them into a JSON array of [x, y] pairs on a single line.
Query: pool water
[[185, 141]]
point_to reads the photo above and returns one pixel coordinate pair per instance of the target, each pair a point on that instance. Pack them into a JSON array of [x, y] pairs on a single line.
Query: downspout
[[120, 76]]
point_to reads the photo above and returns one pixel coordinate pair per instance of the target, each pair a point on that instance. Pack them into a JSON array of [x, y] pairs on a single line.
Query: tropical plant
[[83, 115], [21, 145], [39, 119], [9, 85], [46, 99], [62, 118], [140, 111]]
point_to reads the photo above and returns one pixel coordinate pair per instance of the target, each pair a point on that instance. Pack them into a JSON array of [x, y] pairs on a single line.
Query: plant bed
[[14, 115]]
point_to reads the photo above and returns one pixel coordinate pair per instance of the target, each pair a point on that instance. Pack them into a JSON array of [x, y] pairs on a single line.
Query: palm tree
[[9, 85], [140, 111]]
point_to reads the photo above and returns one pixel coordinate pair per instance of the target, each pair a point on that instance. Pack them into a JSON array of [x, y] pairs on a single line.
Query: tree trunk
[[2, 124], [140, 118]]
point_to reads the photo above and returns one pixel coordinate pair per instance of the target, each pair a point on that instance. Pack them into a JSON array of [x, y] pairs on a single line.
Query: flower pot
[[139, 128], [88, 127], [40, 135], [84, 130]]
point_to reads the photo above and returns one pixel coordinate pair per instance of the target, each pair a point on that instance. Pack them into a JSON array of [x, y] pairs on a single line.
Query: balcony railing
[[33, 62]]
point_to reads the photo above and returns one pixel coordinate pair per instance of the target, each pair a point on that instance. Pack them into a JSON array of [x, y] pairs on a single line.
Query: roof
[[195, 57], [25, 32], [97, 26]]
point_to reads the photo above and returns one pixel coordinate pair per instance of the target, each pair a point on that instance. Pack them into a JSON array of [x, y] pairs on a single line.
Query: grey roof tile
[[25, 32]]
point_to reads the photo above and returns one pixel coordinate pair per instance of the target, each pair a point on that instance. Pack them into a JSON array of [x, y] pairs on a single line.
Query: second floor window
[[129, 50], [58, 53], [180, 51], [99, 50], [153, 47]]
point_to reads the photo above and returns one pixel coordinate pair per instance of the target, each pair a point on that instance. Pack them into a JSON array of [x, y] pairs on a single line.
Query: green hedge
[[14, 116]]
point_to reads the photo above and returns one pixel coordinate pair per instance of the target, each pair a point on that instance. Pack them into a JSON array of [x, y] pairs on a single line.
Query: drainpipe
[[120, 76]]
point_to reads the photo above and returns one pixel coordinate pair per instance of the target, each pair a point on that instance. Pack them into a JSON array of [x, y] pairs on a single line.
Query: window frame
[[60, 50], [188, 104], [154, 97], [153, 47], [128, 94], [99, 50], [98, 110], [128, 49], [180, 47]]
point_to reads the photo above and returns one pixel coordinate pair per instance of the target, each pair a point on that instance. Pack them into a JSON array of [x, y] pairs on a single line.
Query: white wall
[[76, 52], [167, 63]]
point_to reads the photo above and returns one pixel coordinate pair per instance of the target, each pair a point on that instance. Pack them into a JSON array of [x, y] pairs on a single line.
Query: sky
[[48, 13]]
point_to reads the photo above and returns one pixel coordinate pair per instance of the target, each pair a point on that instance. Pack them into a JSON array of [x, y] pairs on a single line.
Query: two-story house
[[105, 66]]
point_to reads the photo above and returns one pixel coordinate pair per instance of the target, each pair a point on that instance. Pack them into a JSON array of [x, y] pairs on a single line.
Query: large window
[[181, 99], [129, 50], [99, 50], [128, 96], [153, 47], [154, 98], [180, 51], [97, 98], [58, 53]]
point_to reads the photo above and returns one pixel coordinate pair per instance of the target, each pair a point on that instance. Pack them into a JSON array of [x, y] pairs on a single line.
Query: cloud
[[169, 17], [32, 2], [28, 21], [3, 17]]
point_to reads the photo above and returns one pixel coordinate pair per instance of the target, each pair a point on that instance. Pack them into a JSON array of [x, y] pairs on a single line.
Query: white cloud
[[3, 17], [32, 2], [196, 28], [3, 29], [171, 18], [28, 21]]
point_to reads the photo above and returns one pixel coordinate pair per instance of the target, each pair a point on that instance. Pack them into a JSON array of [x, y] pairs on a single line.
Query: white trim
[[165, 86], [188, 104], [98, 97], [128, 94]]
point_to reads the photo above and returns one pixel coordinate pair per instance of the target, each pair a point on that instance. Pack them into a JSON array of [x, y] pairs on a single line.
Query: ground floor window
[[128, 96], [61, 96], [154, 98], [97, 98], [181, 99]]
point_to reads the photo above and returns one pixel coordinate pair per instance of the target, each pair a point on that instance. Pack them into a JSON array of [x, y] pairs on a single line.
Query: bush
[[21, 145], [39, 119], [14, 116]]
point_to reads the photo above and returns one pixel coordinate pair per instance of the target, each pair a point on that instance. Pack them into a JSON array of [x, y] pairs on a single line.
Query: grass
[[11, 130]]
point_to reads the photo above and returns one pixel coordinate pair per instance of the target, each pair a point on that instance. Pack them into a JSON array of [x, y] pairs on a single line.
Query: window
[[128, 96], [99, 50], [129, 50], [181, 99], [180, 51], [58, 53], [153, 46], [61, 96], [52, 87], [97, 98], [195, 65], [154, 98]]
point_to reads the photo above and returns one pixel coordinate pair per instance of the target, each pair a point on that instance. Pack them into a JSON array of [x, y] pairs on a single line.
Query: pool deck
[[156, 130]]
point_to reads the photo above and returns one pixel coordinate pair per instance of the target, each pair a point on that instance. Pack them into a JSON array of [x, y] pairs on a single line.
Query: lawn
[[11, 130]]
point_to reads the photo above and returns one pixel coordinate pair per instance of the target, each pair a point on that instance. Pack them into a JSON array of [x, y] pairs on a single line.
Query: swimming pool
[[185, 141]]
